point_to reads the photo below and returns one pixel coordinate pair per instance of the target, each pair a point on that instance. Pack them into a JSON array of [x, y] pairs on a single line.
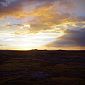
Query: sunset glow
[[42, 24]]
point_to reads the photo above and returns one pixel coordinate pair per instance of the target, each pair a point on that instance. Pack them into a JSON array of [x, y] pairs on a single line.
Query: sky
[[42, 24]]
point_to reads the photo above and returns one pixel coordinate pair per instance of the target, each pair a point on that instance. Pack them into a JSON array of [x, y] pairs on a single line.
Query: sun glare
[[34, 41], [24, 39]]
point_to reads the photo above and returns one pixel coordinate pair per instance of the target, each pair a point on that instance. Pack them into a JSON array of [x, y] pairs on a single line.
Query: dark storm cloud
[[72, 38], [78, 37]]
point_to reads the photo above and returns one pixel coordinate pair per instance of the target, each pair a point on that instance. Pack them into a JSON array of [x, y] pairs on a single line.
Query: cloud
[[72, 39], [10, 8], [77, 37], [46, 8], [67, 15]]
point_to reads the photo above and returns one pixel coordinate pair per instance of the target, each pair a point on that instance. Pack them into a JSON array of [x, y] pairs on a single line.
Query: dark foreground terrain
[[42, 67]]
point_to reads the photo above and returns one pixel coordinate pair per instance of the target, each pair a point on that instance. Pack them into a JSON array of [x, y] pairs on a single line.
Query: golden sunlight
[[34, 41]]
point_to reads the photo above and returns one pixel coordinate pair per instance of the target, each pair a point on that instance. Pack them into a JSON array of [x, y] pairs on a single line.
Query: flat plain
[[42, 67]]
